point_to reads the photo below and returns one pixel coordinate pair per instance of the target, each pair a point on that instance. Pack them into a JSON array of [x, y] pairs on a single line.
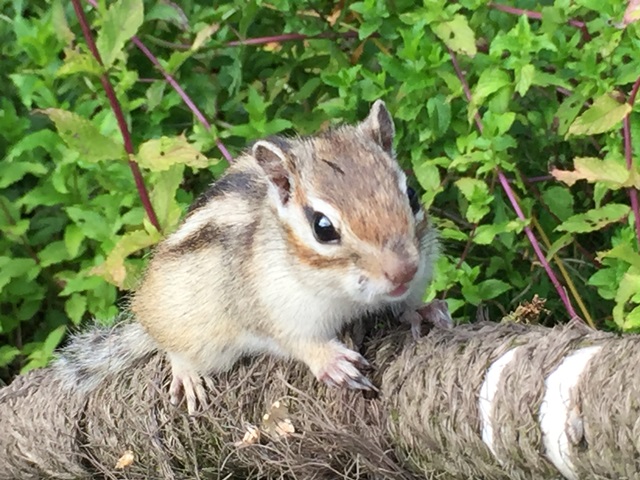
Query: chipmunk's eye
[[414, 201], [323, 229]]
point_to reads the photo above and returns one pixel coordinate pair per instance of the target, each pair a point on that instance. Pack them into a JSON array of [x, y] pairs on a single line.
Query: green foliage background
[[75, 234]]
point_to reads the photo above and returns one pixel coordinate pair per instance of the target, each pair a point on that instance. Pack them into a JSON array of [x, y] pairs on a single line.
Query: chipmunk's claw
[[187, 384], [343, 370], [436, 313]]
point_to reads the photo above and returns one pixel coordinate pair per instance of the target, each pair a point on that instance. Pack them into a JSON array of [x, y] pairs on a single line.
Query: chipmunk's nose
[[400, 272], [400, 262]]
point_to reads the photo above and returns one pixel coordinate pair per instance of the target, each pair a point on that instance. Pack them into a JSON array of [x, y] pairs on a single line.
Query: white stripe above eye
[[329, 211]]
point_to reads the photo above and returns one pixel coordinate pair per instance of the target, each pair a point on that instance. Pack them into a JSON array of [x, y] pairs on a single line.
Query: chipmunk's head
[[348, 216]]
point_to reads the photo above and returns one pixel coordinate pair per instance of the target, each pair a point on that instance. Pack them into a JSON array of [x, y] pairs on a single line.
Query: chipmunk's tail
[[99, 352]]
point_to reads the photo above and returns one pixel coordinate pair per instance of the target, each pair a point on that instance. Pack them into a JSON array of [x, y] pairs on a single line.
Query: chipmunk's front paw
[[341, 368], [186, 384], [436, 313]]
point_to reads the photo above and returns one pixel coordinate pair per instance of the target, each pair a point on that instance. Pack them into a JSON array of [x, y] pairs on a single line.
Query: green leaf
[[204, 35], [76, 306], [559, 244], [91, 223], [559, 200], [80, 283], [605, 114], [12, 172], [7, 354], [168, 12], [457, 35], [163, 197], [491, 80], [632, 320], [82, 135], [428, 176], [568, 110], [524, 79], [41, 355], [276, 125], [486, 233], [477, 194], [594, 219], [27, 145], [78, 62], [73, 238], [162, 153], [54, 252], [629, 287], [486, 290], [439, 113], [16, 267], [492, 288], [623, 251], [113, 269], [120, 22]]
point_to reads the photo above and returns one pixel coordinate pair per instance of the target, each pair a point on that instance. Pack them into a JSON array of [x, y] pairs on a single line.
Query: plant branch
[[117, 110], [628, 155], [538, 16], [290, 36], [465, 87], [512, 198]]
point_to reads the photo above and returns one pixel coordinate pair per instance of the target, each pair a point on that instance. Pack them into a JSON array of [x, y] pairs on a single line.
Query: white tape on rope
[[487, 394], [555, 415]]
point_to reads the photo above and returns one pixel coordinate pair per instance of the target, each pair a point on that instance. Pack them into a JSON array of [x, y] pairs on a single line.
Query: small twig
[[465, 87], [290, 36], [536, 246], [628, 155], [537, 179], [117, 110], [514, 203], [538, 16]]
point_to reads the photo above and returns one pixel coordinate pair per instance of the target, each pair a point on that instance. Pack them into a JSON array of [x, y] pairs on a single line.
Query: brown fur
[[350, 151], [307, 256], [244, 274]]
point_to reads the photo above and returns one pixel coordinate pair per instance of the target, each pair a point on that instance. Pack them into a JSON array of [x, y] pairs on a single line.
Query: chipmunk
[[298, 238]]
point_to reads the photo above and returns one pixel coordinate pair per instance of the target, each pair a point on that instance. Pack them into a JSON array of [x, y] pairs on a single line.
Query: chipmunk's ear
[[379, 126], [273, 157]]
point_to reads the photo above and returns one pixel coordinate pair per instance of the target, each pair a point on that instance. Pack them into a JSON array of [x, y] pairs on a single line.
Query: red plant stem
[[538, 179], [117, 110], [465, 87], [514, 202], [628, 155], [538, 16], [171, 81], [185, 98], [536, 246], [290, 36]]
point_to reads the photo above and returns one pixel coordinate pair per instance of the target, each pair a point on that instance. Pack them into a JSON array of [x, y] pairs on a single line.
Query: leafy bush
[[547, 89]]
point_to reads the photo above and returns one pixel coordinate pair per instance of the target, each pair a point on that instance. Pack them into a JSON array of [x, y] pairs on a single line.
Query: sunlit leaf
[[457, 35], [162, 153], [113, 269], [120, 22], [594, 219], [605, 114], [593, 170], [83, 136]]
